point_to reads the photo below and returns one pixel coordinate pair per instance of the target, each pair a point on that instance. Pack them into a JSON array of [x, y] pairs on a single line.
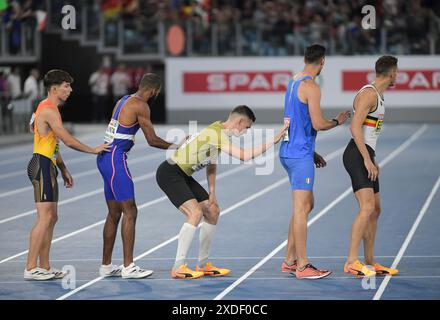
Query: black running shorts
[[354, 164], [43, 175], [178, 186]]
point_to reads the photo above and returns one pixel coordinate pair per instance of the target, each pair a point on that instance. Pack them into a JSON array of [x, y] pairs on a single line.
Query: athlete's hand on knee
[[319, 161], [212, 200], [67, 177], [372, 169], [342, 117], [102, 148]]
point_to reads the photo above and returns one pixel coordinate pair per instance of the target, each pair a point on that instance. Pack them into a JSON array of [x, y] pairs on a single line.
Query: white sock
[[186, 236], [207, 232]]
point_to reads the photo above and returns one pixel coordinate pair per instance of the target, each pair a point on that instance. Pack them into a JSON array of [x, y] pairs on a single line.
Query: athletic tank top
[[374, 120], [45, 145], [118, 135], [302, 135], [201, 149]]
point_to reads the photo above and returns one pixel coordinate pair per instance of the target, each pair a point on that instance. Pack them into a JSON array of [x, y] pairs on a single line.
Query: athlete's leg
[[128, 229], [370, 232], [303, 205], [290, 250], [45, 249], [208, 228], [366, 201], [110, 230], [194, 213], [46, 216]]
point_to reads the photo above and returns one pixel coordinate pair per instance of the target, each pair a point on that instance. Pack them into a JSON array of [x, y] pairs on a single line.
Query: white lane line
[[344, 194], [226, 258], [73, 199], [170, 240], [223, 279], [22, 172], [233, 207], [82, 173], [89, 194], [405, 244], [140, 207], [84, 158]]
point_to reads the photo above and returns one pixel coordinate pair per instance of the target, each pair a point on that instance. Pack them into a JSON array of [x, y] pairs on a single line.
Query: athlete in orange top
[[47, 126]]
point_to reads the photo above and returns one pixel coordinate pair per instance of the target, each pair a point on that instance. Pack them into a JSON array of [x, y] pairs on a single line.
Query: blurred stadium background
[[212, 55]]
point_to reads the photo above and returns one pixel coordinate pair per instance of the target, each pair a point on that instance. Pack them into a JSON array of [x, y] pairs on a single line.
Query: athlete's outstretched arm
[[143, 116], [313, 96], [363, 104], [53, 119], [67, 177], [248, 154]]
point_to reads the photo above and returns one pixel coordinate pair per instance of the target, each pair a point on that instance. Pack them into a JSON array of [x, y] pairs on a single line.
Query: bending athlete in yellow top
[[47, 126], [174, 177]]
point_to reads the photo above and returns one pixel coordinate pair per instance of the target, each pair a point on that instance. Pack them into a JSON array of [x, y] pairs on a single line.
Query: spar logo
[[236, 81], [407, 80]]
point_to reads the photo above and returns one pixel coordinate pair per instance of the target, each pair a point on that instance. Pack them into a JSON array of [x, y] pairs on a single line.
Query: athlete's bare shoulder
[[48, 113], [138, 105], [140, 108], [308, 88], [310, 84], [130, 111], [366, 94], [366, 98]]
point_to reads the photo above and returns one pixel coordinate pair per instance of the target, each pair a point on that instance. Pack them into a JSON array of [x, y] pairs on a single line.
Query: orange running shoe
[[286, 268], [359, 269], [384, 271], [210, 270], [183, 272], [310, 272]]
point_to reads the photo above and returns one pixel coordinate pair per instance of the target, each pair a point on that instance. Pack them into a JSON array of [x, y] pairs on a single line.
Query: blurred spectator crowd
[[108, 85], [277, 24], [18, 98], [20, 19], [275, 27]]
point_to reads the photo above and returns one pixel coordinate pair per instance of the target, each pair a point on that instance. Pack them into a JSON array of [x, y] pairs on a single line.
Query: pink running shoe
[[310, 272], [286, 268]]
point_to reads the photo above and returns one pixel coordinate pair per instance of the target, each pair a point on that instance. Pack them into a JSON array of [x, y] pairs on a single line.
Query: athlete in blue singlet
[[297, 155], [130, 113]]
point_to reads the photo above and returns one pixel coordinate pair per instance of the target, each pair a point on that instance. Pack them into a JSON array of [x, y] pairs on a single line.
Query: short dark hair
[[245, 111], [150, 81], [56, 77], [384, 64], [314, 53]]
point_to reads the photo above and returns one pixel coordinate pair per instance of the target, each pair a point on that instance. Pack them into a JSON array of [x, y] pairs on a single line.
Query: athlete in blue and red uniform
[[298, 157], [130, 113]]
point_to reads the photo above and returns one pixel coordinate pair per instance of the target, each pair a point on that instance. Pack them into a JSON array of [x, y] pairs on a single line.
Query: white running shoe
[[38, 274], [134, 272], [59, 274], [110, 270]]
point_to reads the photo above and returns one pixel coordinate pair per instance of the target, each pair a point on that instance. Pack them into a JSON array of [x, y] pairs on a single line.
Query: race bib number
[[203, 164], [111, 131]]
